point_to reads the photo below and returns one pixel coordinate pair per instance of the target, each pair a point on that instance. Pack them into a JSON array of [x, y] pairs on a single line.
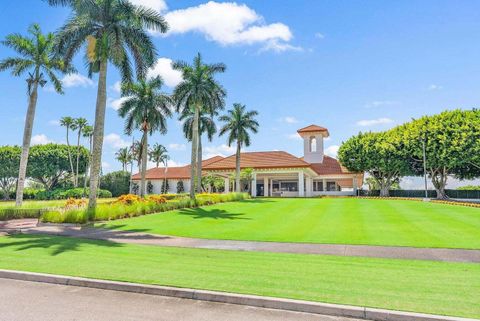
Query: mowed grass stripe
[[330, 220], [421, 286]]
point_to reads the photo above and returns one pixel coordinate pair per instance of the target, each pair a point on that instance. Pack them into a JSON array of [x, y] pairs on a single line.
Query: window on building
[[289, 186], [313, 144], [317, 186], [331, 186]]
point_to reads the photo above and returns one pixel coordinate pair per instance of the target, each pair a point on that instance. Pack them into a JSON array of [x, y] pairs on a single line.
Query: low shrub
[[131, 205], [18, 213], [61, 194]]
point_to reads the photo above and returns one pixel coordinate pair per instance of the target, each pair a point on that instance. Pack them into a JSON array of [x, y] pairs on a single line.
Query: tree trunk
[[143, 182], [70, 157], [87, 169], [237, 170], [98, 130], [384, 190], [439, 180], [199, 163], [78, 156], [27, 136], [193, 163]]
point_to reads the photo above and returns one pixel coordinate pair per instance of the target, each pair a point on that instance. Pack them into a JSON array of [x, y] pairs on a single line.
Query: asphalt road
[[22, 301]]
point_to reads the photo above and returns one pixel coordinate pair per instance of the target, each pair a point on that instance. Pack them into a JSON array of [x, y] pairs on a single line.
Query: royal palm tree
[[238, 123], [69, 123], [88, 133], [206, 125], [136, 151], [198, 92], [158, 154], [35, 58], [146, 109], [110, 29], [80, 124], [124, 157]]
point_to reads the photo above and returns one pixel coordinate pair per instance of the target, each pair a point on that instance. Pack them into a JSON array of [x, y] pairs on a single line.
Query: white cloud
[[178, 147], [373, 122], [434, 87], [222, 150], [332, 151], [381, 103], [288, 120], [319, 35], [294, 136], [40, 139], [116, 87], [76, 80], [115, 141], [116, 103], [229, 23], [163, 68], [158, 5]]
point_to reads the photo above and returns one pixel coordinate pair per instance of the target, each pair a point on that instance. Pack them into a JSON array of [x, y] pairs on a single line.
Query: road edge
[[232, 298]]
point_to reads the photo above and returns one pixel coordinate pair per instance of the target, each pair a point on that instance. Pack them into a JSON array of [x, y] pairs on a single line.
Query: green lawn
[[328, 220], [422, 286]]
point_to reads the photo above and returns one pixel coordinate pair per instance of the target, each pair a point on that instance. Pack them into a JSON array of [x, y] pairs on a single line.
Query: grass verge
[[420, 286]]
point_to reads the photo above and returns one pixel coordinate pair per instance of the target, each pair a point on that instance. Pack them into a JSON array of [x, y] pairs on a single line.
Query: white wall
[[172, 185]]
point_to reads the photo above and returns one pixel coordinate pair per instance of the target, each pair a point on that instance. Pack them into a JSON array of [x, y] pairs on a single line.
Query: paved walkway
[[447, 255], [51, 302]]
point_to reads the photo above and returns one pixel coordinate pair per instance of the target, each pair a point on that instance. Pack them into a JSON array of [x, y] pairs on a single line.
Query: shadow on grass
[[199, 213], [57, 245]]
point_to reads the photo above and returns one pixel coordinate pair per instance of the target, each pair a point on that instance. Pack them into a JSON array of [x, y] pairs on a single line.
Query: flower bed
[[131, 205]]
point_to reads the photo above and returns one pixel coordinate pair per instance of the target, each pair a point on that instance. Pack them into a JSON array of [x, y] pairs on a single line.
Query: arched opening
[[313, 144]]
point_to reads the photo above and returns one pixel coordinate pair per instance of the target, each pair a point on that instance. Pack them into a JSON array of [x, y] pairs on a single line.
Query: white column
[[227, 185], [324, 182], [254, 185], [308, 189], [355, 187], [265, 187], [301, 187]]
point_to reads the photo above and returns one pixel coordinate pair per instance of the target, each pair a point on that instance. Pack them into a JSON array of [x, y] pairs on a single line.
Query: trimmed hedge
[[452, 193], [60, 194], [119, 210]]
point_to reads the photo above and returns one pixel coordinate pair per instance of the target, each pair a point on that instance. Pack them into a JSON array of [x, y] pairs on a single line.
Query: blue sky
[[349, 66]]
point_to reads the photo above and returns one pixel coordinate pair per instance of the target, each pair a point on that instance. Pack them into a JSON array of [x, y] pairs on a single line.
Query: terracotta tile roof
[[275, 159], [182, 172], [312, 128], [329, 166]]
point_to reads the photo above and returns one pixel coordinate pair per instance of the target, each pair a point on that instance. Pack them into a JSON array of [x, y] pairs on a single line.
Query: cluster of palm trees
[[116, 33]]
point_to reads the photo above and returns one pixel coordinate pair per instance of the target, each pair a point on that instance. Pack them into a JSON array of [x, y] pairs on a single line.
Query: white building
[[275, 173]]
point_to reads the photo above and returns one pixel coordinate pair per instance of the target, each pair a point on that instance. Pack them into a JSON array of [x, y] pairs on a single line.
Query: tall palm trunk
[[70, 156], [27, 136], [87, 169], [199, 163], [237, 170], [144, 163], [193, 163], [78, 155], [98, 134]]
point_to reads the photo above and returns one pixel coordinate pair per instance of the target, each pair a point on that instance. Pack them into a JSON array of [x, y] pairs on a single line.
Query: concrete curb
[[223, 297]]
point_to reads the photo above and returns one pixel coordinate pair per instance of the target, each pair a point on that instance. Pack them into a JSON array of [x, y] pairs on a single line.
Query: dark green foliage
[[149, 187], [180, 187], [60, 194], [118, 183], [9, 161], [49, 164]]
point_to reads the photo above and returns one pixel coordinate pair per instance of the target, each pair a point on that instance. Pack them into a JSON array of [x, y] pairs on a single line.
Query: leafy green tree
[[124, 157], [376, 154], [145, 109], [9, 159], [246, 176], [198, 92], [206, 126], [110, 29], [165, 186], [159, 155], [213, 182], [118, 183], [374, 186], [452, 145], [49, 164], [238, 124], [35, 58]]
